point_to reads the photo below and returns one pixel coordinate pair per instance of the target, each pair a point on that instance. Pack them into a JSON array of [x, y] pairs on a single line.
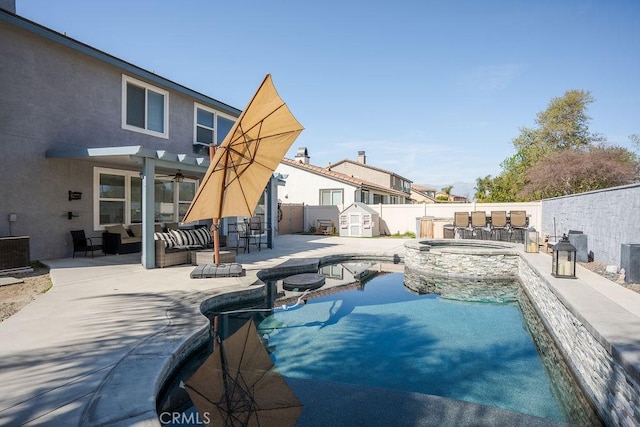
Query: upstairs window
[[210, 127], [145, 108]]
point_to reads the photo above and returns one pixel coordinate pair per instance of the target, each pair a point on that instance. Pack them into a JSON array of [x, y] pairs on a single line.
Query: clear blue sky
[[433, 90]]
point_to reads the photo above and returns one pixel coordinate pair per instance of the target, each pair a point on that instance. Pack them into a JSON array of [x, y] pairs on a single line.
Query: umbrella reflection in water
[[238, 385]]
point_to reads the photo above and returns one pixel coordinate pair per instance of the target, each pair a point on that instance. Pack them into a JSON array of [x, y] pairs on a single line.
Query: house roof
[[337, 176], [64, 40], [422, 191], [364, 165], [422, 188]]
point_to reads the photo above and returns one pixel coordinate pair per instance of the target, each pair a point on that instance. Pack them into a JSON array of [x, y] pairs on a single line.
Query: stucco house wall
[[364, 173], [304, 187], [58, 94]]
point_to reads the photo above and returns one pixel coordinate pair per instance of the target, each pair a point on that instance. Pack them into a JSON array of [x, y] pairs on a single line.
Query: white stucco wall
[[304, 187]]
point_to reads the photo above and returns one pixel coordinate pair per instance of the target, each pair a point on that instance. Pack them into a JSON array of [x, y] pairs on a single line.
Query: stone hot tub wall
[[613, 390]]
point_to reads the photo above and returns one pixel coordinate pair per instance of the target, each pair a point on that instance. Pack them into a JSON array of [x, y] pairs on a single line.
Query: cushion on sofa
[[166, 238], [203, 235], [136, 229], [185, 237], [117, 229], [127, 240]]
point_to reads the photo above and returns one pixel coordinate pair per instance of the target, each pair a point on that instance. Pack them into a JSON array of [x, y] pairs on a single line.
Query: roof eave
[[78, 46]]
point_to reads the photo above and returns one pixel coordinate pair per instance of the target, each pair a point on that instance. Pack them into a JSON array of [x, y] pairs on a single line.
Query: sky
[[433, 90]]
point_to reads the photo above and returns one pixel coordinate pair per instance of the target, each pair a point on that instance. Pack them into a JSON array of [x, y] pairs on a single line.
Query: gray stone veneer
[[613, 390], [608, 217]]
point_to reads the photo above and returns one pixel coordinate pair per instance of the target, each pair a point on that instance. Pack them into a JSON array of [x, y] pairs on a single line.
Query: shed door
[[355, 224]]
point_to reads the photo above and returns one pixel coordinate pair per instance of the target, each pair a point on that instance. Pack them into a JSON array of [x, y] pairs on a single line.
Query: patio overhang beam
[[149, 161], [135, 155]]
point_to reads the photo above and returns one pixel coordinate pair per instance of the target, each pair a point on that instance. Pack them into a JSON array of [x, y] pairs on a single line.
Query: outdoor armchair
[[82, 243], [461, 224], [479, 224]]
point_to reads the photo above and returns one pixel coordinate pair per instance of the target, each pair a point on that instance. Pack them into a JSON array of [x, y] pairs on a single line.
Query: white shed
[[359, 220]]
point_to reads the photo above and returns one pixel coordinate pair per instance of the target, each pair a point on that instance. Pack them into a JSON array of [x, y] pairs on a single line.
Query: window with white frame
[[210, 127], [145, 108], [364, 196], [331, 197], [118, 198]]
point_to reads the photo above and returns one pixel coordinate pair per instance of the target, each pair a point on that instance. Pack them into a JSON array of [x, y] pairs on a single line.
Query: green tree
[[564, 125], [447, 190]]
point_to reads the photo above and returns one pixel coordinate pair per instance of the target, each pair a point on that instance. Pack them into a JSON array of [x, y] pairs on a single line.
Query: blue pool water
[[385, 336]]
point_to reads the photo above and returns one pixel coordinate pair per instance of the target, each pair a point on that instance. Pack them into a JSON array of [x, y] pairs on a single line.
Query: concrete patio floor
[[91, 350]]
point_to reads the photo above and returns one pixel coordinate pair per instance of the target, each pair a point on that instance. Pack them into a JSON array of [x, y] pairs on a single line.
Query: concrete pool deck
[[92, 349]]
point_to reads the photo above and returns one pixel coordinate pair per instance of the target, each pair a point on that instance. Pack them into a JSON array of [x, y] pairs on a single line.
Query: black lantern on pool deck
[[563, 262]]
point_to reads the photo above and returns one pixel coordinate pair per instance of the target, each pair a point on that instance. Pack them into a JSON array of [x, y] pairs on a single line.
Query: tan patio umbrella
[[245, 160], [238, 386]]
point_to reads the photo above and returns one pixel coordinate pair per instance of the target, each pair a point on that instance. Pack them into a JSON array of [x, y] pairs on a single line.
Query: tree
[[575, 171], [482, 188], [447, 190], [564, 125]]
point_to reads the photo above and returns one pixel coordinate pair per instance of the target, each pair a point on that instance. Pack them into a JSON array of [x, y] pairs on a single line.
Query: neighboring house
[[361, 170], [76, 119], [422, 194], [315, 185], [441, 196]]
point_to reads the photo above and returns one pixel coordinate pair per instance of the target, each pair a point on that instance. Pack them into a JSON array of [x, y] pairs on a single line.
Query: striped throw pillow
[[166, 238], [203, 235], [184, 237]]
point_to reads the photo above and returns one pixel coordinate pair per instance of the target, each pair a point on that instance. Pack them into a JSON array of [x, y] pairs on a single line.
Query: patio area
[[92, 350]]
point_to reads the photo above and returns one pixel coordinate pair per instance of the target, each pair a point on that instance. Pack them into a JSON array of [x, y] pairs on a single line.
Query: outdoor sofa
[[118, 240], [174, 247]]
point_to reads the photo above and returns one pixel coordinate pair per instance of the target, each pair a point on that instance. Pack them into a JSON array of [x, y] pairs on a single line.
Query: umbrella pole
[[216, 240], [215, 227]]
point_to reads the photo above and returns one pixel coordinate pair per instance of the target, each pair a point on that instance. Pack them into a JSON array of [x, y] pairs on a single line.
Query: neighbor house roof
[[364, 165], [422, 191], [64, 40], [422, 188], [341, 177]]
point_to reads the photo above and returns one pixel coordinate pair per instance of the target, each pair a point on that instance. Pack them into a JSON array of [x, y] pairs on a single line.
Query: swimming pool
[[366, 339], [472, 344]]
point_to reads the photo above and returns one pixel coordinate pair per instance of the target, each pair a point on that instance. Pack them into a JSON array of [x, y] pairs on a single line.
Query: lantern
[[563, 261], [531, 241]]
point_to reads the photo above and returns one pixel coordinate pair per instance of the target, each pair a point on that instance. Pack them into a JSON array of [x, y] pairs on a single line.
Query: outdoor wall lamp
[[71, 215], [179, 177], [563, 261], [75, 195]]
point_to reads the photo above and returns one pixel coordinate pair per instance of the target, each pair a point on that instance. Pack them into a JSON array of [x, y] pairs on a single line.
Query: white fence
[[405, 218]]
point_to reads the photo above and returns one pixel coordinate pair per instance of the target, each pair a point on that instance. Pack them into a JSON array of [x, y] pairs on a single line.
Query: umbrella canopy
[[246, 158], [237, 385]]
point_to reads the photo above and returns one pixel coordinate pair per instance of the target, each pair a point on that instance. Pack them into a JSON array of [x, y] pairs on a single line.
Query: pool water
[[386, 336]]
